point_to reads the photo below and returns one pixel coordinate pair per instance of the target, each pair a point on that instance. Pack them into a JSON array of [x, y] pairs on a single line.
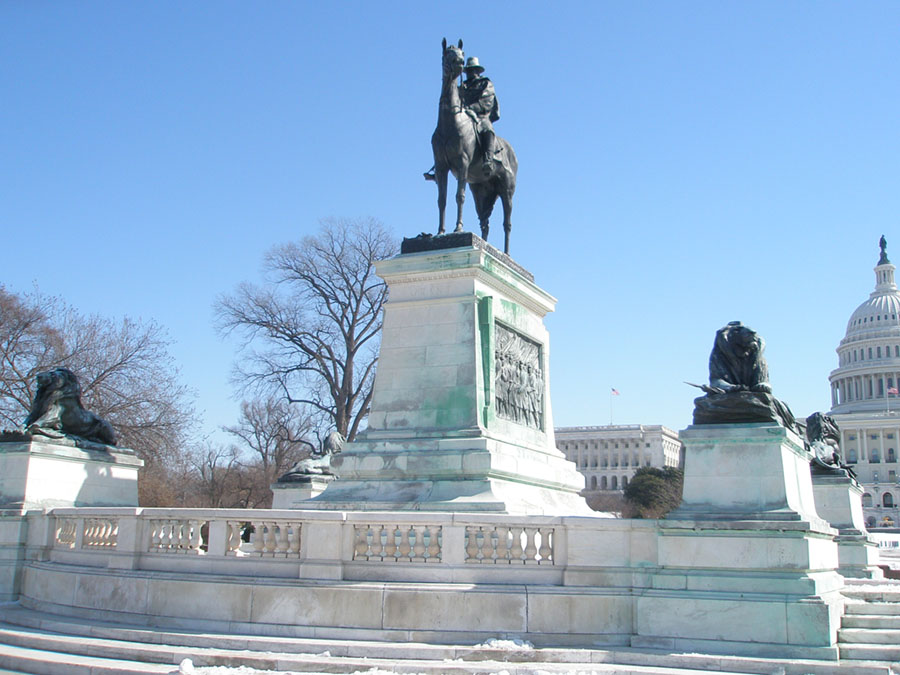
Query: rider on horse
[[480, 103]]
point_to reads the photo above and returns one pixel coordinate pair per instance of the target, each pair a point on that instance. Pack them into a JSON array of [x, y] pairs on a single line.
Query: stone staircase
[[870, 628], [47, 644]]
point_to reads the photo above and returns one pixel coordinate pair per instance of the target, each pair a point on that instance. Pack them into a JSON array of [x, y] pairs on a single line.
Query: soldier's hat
[[472, 64]]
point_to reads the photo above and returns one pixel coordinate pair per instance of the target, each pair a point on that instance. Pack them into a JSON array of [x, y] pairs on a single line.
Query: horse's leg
[[506, 198], [460, 198], [488, 198], [441, 177]]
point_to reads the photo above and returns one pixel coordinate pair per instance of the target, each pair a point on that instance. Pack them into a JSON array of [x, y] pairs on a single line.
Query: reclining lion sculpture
[[739, 389], [57, 410]]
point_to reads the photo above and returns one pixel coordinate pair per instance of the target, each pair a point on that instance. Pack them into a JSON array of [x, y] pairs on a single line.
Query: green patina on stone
[[456, 408], [486, 334]]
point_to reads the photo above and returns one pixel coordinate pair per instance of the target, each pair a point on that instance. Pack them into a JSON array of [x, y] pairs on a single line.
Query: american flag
[[892, 391], [615, 392]]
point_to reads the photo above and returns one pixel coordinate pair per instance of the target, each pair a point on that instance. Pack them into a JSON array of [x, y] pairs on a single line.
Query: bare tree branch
[[311, 334]]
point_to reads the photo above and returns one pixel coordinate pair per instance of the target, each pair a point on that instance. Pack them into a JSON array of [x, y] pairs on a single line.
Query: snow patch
[[507, 645]]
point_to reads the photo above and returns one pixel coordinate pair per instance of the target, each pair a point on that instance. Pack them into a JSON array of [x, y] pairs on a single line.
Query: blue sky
[[681, 165]]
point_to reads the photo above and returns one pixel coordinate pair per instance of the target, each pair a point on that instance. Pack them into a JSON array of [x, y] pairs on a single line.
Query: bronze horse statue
[[456, 148]]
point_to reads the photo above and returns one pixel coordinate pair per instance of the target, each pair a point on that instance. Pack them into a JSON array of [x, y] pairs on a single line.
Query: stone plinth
[[37, 473], [746, 564], [460, 418], [746, 471], [286, 495], [839, 501]]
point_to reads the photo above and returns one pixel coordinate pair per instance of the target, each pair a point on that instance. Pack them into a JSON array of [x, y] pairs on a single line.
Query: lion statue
[[318, 463], [824, 443], [57, 410], [739, 389]]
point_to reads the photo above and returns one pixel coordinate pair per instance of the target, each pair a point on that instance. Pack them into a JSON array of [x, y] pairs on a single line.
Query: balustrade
[[274, 539], [100, 533], [397, 543], [172, 535], [509, 545], [270, 536], [66, 532]]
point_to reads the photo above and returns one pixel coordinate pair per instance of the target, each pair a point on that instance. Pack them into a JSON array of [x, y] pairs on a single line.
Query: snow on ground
[[508, 645]]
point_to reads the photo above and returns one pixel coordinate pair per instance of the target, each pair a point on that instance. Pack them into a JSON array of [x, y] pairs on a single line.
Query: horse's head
[[453, 59]]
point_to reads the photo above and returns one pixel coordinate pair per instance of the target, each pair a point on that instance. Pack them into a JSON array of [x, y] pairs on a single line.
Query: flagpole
[[612, 392]]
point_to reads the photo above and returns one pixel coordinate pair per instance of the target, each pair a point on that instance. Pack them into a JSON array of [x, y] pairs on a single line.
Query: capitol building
[[864, 400]]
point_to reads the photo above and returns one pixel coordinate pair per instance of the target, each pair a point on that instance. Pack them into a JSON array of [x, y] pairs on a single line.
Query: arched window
[[876, 457], [593, 482], [890, 455], [614, 484], [624, 482], [851, 456], [867, 500], [603, 482], [870, 522], [887, 500]]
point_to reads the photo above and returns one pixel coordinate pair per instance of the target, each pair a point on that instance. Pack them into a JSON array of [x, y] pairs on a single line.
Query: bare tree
[[222, 480], [275, 432], [126, 374], [312, 333]]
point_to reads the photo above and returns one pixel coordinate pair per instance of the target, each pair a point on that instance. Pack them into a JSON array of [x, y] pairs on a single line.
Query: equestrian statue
[[464, 143]]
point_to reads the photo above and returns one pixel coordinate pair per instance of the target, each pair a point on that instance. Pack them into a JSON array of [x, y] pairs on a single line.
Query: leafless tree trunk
[[312, 332]]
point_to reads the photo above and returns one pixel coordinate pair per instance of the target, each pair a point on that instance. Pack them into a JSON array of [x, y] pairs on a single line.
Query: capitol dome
[[868, 369]]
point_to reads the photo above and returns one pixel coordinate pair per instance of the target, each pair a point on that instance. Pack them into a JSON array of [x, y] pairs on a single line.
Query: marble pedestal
[[747, 565], [38, 473], [287, 495], [839, 501], [460, 418]]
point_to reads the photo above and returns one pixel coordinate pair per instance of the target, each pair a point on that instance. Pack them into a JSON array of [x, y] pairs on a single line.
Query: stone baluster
[[515, 552], [546, 550], [379, 539], [530, 546], [232, 537], [361, 542], [258, 537], [502, 545], [281, 546], [434, 543], [390, 548], [418, 534], [471, 544]]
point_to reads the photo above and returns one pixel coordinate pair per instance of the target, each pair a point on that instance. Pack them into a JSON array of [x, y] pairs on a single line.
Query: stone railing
[[366, 546], [509, 545]]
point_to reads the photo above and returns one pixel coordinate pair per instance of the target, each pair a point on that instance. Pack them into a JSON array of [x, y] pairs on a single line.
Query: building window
[[851, 455], [867, 500], [614, 484], [593, 482], [876, 457], [890, 455], [892, 476], [878, 351], [870, 522], [870, 352], [625, 482], [887, 500], [874, 476], [603, 482]]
